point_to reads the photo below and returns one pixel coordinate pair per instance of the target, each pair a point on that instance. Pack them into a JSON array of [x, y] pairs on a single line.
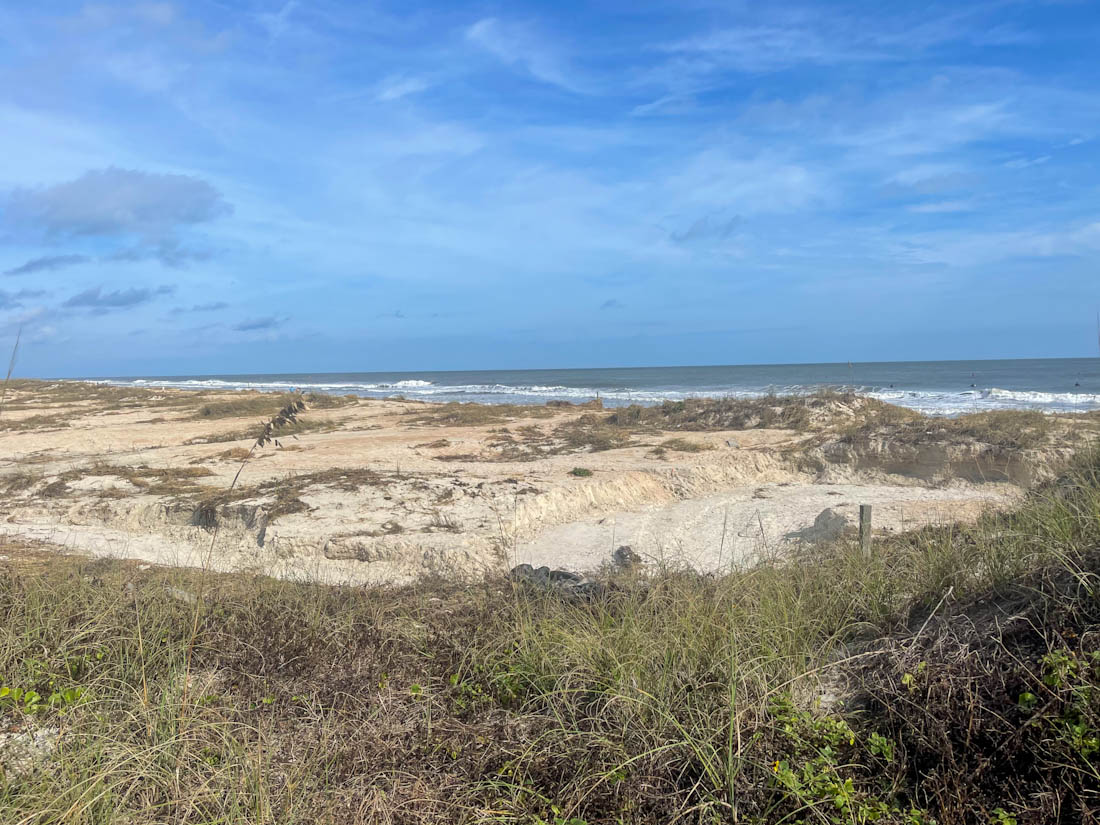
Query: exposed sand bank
[[380, 490]]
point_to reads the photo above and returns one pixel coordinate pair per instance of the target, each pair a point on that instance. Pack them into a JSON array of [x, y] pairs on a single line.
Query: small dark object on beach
[[625, 558], [568, 584]]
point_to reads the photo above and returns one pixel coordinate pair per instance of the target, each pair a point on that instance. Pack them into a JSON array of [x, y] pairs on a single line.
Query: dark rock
[[828, 525], [625, 558], [565, 577], [565, 583]]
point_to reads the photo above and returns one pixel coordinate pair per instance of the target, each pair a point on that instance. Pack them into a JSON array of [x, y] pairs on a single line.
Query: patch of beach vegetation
[[685, 445], [282, 496], [1003, 429], [790, 412], [311, 424], [459, 414], [159, 481], [951, 675], [55, 421], [265, 404]]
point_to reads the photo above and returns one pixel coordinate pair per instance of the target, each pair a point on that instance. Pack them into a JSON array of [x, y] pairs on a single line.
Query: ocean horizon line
[[932, 387], [102, 377]]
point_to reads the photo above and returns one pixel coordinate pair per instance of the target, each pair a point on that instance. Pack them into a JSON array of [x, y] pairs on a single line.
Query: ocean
[[932, 387]]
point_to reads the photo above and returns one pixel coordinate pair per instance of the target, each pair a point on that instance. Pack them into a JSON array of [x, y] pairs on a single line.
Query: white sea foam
[[932, 402], [979, 400]]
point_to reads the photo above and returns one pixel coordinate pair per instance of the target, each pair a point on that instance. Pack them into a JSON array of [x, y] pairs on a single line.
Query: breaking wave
[[930, 401]]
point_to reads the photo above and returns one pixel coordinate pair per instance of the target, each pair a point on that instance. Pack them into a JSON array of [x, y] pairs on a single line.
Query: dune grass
[[1003, 429], [685, 445], [265, 404], [855, 418], [34, 422], [784, 412], [459, 414], [950, 676]]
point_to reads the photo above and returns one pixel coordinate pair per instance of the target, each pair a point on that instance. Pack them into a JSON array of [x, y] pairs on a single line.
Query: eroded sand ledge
[[386, 490]]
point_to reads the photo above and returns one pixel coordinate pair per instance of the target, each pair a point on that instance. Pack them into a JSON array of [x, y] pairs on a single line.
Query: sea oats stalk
[[11, 369], [285, 417]]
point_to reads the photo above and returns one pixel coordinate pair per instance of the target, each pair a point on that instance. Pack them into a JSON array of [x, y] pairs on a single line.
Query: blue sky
[[316, 185]]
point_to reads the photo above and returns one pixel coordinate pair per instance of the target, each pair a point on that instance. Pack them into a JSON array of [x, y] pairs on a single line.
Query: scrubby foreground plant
[[952, 677]]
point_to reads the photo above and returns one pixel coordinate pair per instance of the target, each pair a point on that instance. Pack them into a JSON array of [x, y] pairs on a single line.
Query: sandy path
[[714, 531]]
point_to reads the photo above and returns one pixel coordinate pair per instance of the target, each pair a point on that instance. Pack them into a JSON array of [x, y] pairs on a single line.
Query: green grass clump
[[591, 433], [247, 404], [580, 472], [1001, 429], [35, 422], [459, 414], [685, 445], [24, 393], [768, 412], [246, 434]]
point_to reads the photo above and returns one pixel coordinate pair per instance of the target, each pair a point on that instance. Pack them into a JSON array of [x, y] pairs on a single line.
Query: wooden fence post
[[865, 529]]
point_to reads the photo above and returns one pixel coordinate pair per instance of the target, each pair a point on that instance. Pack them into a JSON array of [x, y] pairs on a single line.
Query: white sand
[[708, 509]]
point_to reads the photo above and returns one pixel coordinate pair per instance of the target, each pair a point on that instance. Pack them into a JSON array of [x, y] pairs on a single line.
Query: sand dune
[[369, 490]]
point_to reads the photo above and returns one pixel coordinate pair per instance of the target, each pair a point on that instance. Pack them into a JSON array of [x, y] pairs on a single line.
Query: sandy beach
[[385, 490]]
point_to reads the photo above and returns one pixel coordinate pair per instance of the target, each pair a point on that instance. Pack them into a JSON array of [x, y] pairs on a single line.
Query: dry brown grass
[[162, 480], [684, 445], [159, 481], [312, 424], [592, 433], [770, 412], [61, 401], [19, 481], [282, 496], [31, 393], [55, 421], [1003, 429], [456, 414], [233, 454], [438, 444], [261, 405], [588, 433], [325, 401]]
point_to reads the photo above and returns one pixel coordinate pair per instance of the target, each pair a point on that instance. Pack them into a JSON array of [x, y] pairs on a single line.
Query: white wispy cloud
[[938, 207], [771, 48], [517, 45], [278, 22], [975, 247], [1024, 163], [395, 87]]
